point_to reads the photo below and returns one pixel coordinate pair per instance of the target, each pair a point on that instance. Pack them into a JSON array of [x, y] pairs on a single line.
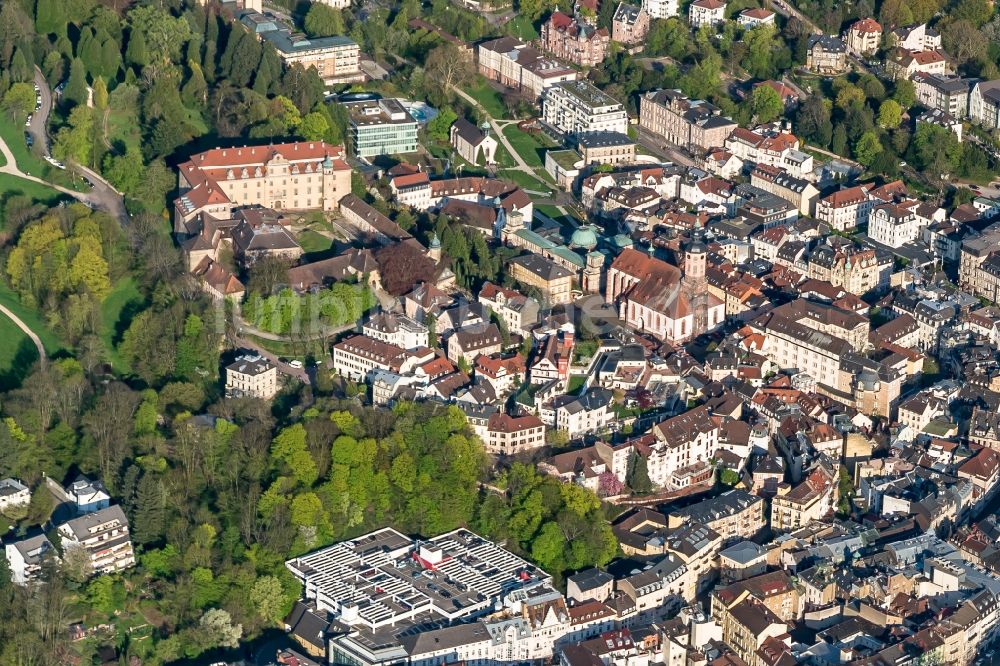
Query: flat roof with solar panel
[[385, 578]]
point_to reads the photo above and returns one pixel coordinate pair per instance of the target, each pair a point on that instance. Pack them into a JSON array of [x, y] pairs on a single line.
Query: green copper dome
[[584, 237]]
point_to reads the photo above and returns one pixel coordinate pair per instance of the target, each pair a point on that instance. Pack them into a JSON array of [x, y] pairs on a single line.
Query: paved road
[[102, 197], [40, 118], [27, 331], [660, 148], [786, 9]]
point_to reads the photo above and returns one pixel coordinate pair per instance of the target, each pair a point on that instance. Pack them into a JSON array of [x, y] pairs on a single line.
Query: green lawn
[[10, 185], [525, 181], [313, 242], [30, 163], [116, 315], [123, 129], [522, 28], [13, 135], [489, 98], [531, 147], [575, 383], [31, 318], [17, 353]]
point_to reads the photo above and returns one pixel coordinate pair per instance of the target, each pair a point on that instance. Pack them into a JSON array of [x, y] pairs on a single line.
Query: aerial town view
[[499, 333]]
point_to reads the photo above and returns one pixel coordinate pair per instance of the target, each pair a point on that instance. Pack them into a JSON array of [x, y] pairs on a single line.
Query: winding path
[[27, 331]]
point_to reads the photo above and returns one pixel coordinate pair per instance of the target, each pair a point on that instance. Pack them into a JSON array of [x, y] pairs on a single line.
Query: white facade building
[[577, 106]]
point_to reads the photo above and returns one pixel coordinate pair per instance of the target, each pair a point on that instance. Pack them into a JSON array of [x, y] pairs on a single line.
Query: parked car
[[28, 139], [27, 121], [295, 363]]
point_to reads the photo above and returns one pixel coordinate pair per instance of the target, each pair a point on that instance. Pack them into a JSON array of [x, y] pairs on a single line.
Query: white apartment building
[[13, 494], [104, 535], [812, 499], [396, 329], [24, 557], [251, 376], [358, 355], [589, 413], [984, 104], [577, 106], [845, 209], [661, 9], [681, 441], [893, 225], [811, 337], [88, 496], [706, 12]]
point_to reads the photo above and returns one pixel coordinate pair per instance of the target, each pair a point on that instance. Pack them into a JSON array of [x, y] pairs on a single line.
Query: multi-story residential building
[[682, 442], [381, 127], [26, 556], [552, 364], [251, 376], [358, 355], [755, 17], [13, 494], [777, 591], [305, 175], [746, 625], [863, 37], [979, 264], [516, 65], [465, 344], [779, 182], [697, 546], [104, 535], [413, 189], [826, 54], [517, 311], [984, 104], [589, 413], [735, 515], [577, 106], [893, 225], [772, 147], [904, 64], [694, 125], [502, 373], [845, 209], [916, 37], [710, 13], [943, 92], [336, 59], [740, 561], [510, 435], [574, 40], [630, 24], [396, 329], [87, 496], [554, 282], [811, 337], [661, 9], [857, 270], [474, 144], [812, 499]]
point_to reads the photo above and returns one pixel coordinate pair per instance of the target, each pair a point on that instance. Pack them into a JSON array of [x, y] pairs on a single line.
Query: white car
[[27, 122], [297, 364]]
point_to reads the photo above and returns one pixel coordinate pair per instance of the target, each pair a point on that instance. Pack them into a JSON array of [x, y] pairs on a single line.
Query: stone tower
[[592, 273], [693, 285]]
